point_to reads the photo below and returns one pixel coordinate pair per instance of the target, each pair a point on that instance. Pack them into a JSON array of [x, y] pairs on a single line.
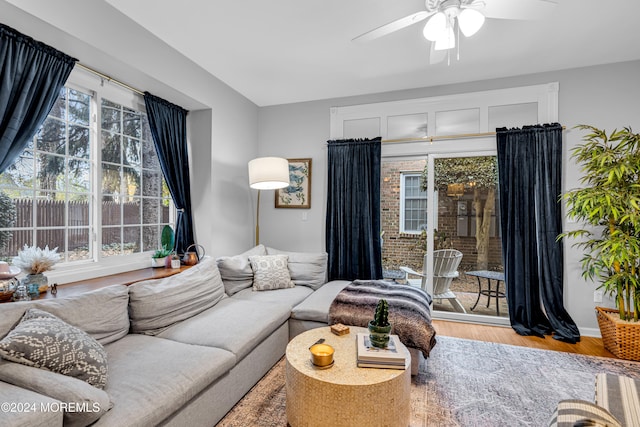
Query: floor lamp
[[267, 173]]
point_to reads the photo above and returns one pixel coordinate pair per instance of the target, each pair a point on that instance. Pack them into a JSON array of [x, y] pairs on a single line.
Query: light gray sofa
[[180, 350]]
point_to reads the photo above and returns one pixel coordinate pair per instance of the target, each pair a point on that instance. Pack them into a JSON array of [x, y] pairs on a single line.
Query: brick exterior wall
[[408, 249]]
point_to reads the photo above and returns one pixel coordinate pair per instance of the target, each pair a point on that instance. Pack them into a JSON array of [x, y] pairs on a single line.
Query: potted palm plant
[[609, 207]]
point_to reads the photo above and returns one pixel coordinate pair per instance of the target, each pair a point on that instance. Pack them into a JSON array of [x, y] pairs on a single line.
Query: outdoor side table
[[496, 293]]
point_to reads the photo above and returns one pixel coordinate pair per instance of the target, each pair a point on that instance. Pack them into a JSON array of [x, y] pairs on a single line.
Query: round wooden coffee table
[[343, 395]]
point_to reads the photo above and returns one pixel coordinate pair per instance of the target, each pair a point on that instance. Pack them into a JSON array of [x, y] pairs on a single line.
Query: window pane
[[361, 128], [79, 244], [111, 183], [132, 181], [131, 151], [78, 211], [150, 237], [415, 204], [111, 116], [131, 240], [79, 141], [151, 182], [515, 115], [111, 211], [60, 107], [458, 121], [131, 212], [20, 174], [111, 147], [51, 172], [80, 176], [111, 241], [407, 126], [79, 107], [131, 123], [50, 213], [51, 137]]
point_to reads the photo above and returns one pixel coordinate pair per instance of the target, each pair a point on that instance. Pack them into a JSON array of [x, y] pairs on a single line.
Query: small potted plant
[[161, 257], [609, 207], [379, 327], [34, 261]]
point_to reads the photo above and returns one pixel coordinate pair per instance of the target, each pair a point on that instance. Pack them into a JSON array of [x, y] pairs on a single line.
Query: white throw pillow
[[270, 272]]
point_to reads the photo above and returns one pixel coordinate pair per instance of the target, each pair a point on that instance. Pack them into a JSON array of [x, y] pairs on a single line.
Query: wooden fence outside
[[51, 213]]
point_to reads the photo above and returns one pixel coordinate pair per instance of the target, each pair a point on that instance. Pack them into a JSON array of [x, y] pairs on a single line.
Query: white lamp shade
[[448, 41], [435, 27], [268, 173], [470, 21]]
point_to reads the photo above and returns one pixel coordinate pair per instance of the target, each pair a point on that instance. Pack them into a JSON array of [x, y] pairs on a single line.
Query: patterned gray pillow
[[270, 272], [42, 340]]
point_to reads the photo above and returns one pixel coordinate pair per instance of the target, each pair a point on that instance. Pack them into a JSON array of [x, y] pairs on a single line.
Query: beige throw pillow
[[270, 272]]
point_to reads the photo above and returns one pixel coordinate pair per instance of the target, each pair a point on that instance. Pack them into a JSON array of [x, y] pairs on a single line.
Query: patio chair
[[445, 269]]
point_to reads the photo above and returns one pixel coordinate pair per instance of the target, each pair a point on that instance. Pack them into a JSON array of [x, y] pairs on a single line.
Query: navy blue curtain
[[530, 185], [168, 124], [31, 76], [353, 209]]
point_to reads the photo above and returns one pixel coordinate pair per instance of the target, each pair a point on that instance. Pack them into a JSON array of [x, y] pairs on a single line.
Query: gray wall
[[603, 96]]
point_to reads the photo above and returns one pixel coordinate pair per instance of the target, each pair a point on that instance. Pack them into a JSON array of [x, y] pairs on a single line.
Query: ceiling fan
[[445, 18]]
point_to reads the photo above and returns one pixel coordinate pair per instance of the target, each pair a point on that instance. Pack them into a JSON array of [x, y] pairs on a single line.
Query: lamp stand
[[258, 220]]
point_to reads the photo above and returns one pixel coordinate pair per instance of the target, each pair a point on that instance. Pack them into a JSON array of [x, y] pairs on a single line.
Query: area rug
[[465, 383]]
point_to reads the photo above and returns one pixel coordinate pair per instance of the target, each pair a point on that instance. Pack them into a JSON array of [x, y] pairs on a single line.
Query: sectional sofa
[[181, 350]]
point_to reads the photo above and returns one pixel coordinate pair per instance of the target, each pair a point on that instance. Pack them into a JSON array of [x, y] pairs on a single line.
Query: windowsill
[[127, 278]]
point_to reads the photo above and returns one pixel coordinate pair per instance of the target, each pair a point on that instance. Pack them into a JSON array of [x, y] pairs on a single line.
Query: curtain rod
[[436, 138], [109, 79]]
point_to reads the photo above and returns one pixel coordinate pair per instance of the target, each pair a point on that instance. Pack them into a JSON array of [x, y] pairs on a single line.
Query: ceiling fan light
[[436, 27], [470, 21], [448, 41]]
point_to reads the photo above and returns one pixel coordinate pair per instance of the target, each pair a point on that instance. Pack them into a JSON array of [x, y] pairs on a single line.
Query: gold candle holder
[[321, 355]]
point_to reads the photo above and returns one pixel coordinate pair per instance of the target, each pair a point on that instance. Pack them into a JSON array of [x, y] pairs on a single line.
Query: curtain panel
[[31, 76], [353, 209], [530, 185], [168, 124]]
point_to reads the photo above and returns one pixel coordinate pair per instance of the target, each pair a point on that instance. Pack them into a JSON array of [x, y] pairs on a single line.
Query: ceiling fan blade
[[515, 9], [393, 26]]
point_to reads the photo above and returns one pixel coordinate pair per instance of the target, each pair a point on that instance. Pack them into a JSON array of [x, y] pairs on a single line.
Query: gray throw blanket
[[409, 311]]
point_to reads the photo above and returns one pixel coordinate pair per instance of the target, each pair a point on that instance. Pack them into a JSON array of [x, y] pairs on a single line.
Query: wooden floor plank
[[589, 346]]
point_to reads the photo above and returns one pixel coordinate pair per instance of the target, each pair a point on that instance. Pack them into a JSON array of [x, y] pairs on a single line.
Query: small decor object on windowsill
[[34, 261]]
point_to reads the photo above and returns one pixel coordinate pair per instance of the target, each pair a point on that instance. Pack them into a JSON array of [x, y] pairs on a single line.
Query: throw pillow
[[306, 268], [236, 270], [270, 272], [42, 340], [572, 413]]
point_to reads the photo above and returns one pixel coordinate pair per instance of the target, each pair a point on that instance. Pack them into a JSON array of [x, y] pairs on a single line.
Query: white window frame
[[101, 266], [403, 198]]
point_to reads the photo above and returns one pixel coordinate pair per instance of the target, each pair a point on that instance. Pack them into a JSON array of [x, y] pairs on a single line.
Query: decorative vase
[[379, 335], [36, 279]]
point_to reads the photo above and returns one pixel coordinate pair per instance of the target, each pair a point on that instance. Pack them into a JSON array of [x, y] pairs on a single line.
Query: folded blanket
[[409, 311]]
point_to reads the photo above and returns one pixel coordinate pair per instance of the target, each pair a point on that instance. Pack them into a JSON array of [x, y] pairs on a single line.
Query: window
[[413, 201], [55, 194]]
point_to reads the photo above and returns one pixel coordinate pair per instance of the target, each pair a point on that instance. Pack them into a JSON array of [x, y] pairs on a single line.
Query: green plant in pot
[[379, 327], [609, 205], [167, 241]]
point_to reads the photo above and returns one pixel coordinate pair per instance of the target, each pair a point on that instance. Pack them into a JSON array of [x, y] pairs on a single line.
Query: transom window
[[413, 210], [56, 195]]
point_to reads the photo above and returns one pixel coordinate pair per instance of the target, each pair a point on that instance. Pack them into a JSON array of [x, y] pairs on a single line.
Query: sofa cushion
[[620, 395], [289, 297], [150, 378], [39, 417], [306, 268], [234, 325], [316, 306], [159, 303], [90, 403], [236, 270], [101, 313], [571, 413], [270, 272], [44, 341]]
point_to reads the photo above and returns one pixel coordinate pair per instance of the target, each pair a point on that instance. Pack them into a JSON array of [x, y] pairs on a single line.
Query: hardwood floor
[[589, 346]]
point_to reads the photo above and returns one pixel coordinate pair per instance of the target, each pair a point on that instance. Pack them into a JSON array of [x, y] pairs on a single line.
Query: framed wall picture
[[298, 193]]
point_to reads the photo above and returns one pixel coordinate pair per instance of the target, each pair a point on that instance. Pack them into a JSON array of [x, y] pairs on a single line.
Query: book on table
[[394, 356]]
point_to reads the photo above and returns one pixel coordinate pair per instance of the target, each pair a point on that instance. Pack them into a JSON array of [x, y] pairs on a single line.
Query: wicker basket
[[620, 337]]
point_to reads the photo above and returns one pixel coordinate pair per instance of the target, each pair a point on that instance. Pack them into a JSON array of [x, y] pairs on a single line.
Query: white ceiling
[[283, 51]]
